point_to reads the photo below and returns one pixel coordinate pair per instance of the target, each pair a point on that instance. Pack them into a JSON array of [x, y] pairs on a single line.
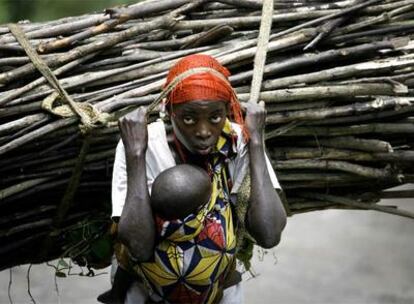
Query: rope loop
[[92, 117], [89, 115]]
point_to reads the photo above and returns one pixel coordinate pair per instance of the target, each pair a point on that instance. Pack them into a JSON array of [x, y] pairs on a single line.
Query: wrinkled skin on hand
[[133, 128], [255, 119]]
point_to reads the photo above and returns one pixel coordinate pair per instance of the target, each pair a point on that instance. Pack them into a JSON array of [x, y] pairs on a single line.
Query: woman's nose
[[203, 132]]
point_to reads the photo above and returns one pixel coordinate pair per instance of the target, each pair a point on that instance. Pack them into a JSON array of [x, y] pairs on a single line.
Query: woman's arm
[[266, 217], [136, 228]]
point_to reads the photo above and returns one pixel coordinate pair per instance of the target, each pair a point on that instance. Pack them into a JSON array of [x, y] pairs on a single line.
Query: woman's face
[[198, 124]]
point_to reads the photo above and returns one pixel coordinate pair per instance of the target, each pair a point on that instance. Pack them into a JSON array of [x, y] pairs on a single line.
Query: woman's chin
[[203, 151]]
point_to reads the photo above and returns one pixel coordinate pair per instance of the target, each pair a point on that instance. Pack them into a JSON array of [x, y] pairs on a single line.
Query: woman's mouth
[[203, 150]]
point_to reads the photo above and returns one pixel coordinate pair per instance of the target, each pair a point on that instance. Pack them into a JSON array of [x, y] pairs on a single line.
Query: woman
[[190, 260]]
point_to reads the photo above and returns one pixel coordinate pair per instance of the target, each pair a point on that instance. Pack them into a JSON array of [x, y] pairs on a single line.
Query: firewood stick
[[4, 193], [353, 109], [321, 152], [36, 134], [249, 21], [324, 18], [290, 153], [280, 44], [6, 97], [397, 194], [58, 29], [120, 15], [323, 177], [353, 203], [383, 17], [365, 117], [365, 68], [83, 50], [373, 128], [328, 91], [21, 123], [389, 29], [335, 165]]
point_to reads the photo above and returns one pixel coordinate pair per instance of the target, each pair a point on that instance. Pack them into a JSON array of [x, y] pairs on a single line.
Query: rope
[[262, 46], [244, 240], [92, 113], [87, 113]]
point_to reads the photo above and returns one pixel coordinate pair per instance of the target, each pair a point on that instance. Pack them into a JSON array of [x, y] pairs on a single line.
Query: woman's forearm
[[136, 227], [266, 216]]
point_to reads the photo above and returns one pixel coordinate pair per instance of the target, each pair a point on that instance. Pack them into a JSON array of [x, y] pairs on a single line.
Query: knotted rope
[[88, 114]]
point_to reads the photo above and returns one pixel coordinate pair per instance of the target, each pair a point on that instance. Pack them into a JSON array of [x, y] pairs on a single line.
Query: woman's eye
[[188, 120], [216, 119]]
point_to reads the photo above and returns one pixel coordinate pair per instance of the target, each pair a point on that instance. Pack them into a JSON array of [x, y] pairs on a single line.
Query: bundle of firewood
[[338, 86]]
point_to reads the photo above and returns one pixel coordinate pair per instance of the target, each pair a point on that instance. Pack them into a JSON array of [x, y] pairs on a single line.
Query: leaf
[[63, 263], [60, 274]]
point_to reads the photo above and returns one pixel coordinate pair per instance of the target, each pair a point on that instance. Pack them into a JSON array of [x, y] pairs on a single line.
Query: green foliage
[[43, 10]]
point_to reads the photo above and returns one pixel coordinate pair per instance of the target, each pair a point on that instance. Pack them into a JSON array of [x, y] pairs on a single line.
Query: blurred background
[[42, 10], [324, 257]]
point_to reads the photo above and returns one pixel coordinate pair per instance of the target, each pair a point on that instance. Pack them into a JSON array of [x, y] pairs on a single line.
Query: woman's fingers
[[133, 129]]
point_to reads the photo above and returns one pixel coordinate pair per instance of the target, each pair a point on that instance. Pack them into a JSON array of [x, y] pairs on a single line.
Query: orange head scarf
[[204, 85]]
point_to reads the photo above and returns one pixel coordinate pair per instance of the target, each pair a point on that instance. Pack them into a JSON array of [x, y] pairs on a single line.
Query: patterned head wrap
[[201, 77]]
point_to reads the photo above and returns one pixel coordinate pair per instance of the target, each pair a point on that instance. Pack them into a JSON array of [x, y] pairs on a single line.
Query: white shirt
[[159, 158]]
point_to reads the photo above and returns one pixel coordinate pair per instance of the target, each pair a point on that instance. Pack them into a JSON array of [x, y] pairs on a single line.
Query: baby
[[176, 193], [180, 191]]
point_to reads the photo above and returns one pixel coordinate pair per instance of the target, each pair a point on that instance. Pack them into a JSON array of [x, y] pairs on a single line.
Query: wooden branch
[[291, 64], [35, 134], [328, 91], [120, 15], [76, 53], [374, 128], [353, 109], [353, 203], [335, 165], [325, 18], [359, 69]]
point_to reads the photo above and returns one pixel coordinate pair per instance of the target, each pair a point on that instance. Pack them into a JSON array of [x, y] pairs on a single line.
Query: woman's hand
[[133, 128], [255, 120]]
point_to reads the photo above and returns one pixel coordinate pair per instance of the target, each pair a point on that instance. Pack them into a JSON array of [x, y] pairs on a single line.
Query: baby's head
[[179, 191]]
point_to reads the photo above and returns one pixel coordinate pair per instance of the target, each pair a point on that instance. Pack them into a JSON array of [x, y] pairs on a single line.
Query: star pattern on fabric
[[193, 254]]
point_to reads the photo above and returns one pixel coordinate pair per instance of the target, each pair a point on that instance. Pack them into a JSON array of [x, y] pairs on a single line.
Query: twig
[[353, 203], [28, 284], [10, 285]]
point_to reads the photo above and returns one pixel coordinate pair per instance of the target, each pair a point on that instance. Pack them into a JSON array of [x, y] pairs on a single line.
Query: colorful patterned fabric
[[193, 255]]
